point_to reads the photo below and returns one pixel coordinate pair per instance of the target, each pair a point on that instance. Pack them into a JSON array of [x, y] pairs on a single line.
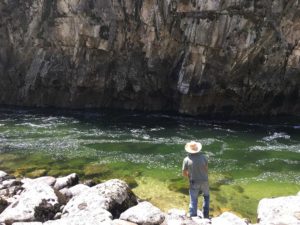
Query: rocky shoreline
[[66, 201]]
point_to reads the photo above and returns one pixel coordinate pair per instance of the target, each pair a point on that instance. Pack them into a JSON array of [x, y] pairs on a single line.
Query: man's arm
[[185, 173], [206, 168]]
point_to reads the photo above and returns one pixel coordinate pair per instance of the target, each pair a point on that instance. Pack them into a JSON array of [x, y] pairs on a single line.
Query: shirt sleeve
[[205, 159], [184, 165]]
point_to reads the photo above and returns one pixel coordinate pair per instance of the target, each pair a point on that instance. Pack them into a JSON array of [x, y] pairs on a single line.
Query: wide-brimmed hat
[[193, 147]]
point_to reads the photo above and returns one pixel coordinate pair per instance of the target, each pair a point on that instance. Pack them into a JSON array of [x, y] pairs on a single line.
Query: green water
[[247, 161]]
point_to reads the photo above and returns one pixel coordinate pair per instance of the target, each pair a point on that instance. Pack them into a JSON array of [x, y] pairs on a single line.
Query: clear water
[[247, 161]]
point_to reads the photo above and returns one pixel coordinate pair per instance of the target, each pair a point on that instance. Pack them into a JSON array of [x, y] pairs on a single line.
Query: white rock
[[279, 211], [201, 221], [117, 192], [66, 192], [27, 223], [2, 174], [46, 179], [67, 181], [78, 189], [177, 212], [88, 201], [143, 213], [179, 217], [11, 182], [228, 218], [122, 222], [23, 208], [81, 220], [108, 196]]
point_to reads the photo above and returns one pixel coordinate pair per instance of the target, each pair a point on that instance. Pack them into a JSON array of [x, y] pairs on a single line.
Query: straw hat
[[193, 147]]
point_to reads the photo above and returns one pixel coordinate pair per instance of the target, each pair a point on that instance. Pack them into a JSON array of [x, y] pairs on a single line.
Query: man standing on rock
[[195, 167]]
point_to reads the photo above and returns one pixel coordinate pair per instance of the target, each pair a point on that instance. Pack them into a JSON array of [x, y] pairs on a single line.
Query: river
[[247, 160]]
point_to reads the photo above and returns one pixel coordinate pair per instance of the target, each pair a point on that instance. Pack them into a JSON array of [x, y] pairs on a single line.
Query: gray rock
[[122, 222], [143, 213], [23, 209], [279, 211], [113, 195], [228, 218], [66, 181]]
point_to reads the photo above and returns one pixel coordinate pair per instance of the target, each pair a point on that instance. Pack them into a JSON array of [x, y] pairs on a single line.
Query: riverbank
[[68, 201]]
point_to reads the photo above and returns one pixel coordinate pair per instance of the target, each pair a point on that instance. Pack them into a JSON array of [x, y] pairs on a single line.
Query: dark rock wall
[[228, 57]]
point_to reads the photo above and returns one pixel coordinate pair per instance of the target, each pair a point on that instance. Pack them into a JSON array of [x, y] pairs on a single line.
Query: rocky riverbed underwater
[[247, 161], [62, 201]]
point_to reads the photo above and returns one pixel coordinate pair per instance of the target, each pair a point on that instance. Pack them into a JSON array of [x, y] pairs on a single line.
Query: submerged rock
[[279, 211], [143, 213]]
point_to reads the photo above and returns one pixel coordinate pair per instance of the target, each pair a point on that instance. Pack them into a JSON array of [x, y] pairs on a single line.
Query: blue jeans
[[195, 189]]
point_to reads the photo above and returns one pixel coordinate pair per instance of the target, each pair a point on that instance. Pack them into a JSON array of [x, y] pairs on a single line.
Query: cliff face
[[233, 57]]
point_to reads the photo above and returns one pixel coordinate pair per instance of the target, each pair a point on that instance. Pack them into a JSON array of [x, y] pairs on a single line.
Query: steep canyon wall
[[228, 57]]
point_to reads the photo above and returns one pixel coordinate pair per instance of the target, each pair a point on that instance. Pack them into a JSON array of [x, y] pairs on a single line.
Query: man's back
[[196, 164]]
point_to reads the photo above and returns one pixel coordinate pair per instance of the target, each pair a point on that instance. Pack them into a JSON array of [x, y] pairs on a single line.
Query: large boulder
[[144, 213], [279, 211], [67, 181], [113, 195], [228, 218], [23, 209]]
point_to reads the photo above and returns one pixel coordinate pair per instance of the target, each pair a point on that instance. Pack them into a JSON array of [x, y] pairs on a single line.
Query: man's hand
[[185, 173]]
